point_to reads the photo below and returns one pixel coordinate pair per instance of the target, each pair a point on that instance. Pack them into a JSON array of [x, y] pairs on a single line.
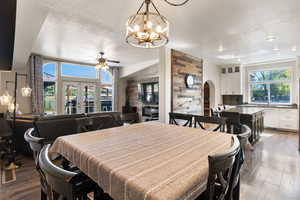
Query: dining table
[[145, 161]]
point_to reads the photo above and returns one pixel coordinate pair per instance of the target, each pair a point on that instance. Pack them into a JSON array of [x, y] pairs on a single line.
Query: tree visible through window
[[49, 77], [272, 86]]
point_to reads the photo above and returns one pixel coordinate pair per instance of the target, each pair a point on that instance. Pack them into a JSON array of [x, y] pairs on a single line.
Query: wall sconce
[[5, 99]]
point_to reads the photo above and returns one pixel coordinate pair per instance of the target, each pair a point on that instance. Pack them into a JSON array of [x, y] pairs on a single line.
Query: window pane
[[106, 98], [259, 93], [280, 93], [49, 72], [259, 76], [49, 97], [106, 77], [79, 71], [273, 75], [277, 75]]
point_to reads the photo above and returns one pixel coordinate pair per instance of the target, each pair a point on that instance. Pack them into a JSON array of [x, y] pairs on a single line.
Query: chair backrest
[[215, 112], [58, 179], [233, 122], [174, 118], [221, 122], [52, 129], [220, 172], [36, 143], [244, 136], [95, 123]]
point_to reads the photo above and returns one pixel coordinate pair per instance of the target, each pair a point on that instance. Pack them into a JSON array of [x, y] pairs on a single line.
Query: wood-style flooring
[[271, 172]]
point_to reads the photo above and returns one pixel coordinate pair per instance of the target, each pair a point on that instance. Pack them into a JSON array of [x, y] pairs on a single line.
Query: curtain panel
[[37, 85], [116, 76]]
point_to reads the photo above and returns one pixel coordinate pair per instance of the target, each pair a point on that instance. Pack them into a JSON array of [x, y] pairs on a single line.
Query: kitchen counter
[[293, 106], [245, 110]]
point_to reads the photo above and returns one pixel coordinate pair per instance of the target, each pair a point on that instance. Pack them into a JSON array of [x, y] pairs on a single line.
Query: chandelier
[[148, 28]]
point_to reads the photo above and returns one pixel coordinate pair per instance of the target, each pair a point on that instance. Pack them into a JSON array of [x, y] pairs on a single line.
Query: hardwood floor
[[271, 172]]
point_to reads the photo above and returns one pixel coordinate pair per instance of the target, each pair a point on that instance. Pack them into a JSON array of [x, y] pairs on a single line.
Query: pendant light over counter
[[148, 28]]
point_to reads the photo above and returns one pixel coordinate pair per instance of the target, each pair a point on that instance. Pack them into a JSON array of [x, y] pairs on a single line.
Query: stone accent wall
[[133, 92], [186, 100]]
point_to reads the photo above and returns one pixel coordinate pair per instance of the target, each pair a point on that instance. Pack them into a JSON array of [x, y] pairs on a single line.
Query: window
[[49, 78], [270, 86], [150, 93], [79, 71]]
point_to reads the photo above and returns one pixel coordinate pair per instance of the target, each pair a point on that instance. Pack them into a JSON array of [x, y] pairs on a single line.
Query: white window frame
[[60, 79], [268, 83]]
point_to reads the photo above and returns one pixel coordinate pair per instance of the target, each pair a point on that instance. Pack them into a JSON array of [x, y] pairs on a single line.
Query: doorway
[[79, 97], [206, 99]]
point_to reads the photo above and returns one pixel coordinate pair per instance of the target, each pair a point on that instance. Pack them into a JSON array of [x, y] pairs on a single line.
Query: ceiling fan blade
[[113, 61]]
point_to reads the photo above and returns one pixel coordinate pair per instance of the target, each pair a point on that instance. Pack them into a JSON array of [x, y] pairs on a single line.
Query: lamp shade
[[5, 99], [26, 91], [11, 107]]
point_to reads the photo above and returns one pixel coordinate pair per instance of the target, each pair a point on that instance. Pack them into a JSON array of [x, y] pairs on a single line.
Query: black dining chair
[[233, 121], [175, 118], [220, 178], [220, 122], [64, 184]]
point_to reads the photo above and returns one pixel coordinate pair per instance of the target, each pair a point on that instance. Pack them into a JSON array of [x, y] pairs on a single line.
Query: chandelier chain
[[176, 4]]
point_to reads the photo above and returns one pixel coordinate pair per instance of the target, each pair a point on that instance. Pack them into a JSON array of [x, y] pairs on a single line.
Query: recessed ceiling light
[[275, 48], [294, 48], [239, 59], [270, 38], [221, 48]]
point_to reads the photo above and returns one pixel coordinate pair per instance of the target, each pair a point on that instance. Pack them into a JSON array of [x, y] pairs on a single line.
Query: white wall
[[211, 72]]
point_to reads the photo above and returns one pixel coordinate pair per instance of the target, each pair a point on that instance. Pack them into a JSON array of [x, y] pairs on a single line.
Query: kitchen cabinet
[[281, 118], [231, 83]]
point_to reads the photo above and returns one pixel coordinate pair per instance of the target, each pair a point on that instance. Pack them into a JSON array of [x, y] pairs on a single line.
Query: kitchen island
[[252, 117]]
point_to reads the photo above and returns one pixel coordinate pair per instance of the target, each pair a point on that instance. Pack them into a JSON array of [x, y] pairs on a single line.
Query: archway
[[209, 97]]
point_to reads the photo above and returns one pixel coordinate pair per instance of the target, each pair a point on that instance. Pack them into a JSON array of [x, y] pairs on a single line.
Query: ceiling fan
[[102, 62]]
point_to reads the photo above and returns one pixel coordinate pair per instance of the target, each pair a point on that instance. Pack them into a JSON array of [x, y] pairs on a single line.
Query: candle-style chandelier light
[[148, 28]]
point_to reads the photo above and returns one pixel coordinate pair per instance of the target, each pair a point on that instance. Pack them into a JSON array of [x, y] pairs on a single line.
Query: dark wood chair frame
[[198, 120], [221, 168], [179, 116]]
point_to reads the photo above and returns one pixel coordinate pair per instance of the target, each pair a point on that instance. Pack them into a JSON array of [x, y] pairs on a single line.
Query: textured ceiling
[[78, 29]]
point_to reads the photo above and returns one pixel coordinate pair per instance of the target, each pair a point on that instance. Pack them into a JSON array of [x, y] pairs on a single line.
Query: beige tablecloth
[[145, 161]]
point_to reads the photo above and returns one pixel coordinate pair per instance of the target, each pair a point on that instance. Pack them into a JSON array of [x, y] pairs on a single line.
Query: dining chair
[[64, 184], [221, 168], [36, 144], [187, 119], [234, 188], [233, 121], [200, 120], [215, 112]]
